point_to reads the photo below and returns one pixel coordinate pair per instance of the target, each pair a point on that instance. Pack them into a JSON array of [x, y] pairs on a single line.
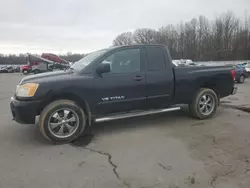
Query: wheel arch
[[212, 87], [69, 96], [242, 74], [36, 70]]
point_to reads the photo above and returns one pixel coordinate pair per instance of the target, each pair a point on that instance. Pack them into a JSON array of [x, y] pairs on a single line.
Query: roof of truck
[[136, 45]]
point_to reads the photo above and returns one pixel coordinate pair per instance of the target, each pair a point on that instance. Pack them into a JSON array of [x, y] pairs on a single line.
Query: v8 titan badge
[[113, 98]]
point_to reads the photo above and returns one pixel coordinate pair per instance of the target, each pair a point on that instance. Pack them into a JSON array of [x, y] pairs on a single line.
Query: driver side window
[[124, 61]]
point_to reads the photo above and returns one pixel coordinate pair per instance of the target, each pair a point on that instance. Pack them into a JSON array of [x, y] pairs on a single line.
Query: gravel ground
[[169, 150]]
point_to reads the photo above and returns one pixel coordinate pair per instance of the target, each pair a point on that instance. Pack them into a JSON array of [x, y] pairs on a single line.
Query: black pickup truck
[[116, 83]]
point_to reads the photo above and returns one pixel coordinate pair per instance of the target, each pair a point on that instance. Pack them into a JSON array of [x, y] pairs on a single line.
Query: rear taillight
[[233, 74]]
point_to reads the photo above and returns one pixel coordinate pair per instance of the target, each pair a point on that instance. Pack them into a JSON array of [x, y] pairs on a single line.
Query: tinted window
[[155, 59], [124, 61]]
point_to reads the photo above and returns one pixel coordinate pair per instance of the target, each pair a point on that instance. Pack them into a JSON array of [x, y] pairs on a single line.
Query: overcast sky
[[60, 26]]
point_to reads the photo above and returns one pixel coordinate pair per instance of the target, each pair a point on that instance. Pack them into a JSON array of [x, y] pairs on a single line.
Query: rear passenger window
[[155, 59]]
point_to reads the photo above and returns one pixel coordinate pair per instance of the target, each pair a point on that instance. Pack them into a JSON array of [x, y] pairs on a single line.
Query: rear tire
[[62, 121], [204, 104], [242, 79]]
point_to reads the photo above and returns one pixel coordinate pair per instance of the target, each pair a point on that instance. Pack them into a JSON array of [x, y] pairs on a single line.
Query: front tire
[[62, 121], [25, 72], [204, 104]]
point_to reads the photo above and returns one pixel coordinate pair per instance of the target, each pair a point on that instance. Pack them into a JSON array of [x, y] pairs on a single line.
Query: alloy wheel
[[206, 104], [63, 123]]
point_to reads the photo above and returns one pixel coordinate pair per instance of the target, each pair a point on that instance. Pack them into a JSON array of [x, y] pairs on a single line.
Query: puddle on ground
[[83, 141]]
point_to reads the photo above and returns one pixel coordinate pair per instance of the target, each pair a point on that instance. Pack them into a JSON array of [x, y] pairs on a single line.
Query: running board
[[135, 114]]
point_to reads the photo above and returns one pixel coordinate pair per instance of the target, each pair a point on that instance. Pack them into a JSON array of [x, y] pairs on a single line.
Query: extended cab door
[[124, 87], [159, 76]]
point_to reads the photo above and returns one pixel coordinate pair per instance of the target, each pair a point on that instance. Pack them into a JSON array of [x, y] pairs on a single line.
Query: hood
[[25, 66], [46, 77]]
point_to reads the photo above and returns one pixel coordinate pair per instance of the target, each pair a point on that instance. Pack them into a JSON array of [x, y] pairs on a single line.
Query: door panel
[[159, 88], [120, 93], [160, 78], [124, 88]]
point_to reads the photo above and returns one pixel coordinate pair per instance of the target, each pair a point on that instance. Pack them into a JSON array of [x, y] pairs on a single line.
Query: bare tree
[[217, 37], [224, 38], [190, 39], [203, 36], [123, 39], [230, 27], [169, 36], [146, 36], [181, 41]]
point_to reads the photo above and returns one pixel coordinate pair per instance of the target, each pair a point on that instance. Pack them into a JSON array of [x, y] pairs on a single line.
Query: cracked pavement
[[109, 160], [169, 150]]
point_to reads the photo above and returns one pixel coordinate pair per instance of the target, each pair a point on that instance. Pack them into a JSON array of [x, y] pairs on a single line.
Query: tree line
[[224, 38], [200, 39]]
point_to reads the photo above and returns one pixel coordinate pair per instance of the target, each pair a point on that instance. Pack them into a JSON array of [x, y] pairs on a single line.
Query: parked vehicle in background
[[247, 67], [25, 69], [54, 58], [185, 62], [37, 64], [17, 69], [10, 69], [241, 73], [7, 69], [58, 66], [59, 63], [116, 83], [245, 63], [3, 69]]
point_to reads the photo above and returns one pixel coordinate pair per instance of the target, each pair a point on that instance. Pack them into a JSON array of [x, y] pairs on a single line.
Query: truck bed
[[189, 79]]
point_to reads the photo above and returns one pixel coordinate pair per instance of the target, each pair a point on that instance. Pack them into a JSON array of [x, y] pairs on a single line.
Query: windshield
[[86, 60]]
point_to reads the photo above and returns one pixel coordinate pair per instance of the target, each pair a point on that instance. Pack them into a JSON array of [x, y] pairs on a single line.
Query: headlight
[[26, 90]]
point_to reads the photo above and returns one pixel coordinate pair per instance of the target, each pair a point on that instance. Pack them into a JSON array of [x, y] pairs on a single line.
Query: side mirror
[[103, 68]]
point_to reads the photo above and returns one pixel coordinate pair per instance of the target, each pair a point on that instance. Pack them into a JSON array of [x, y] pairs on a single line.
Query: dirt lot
[[169, 150]]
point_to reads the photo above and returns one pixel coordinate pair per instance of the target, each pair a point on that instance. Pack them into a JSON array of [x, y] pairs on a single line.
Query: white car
[[247, 67]]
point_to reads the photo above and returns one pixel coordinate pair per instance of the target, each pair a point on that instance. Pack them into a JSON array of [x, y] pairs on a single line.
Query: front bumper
[[234, 91], [24, 112]]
